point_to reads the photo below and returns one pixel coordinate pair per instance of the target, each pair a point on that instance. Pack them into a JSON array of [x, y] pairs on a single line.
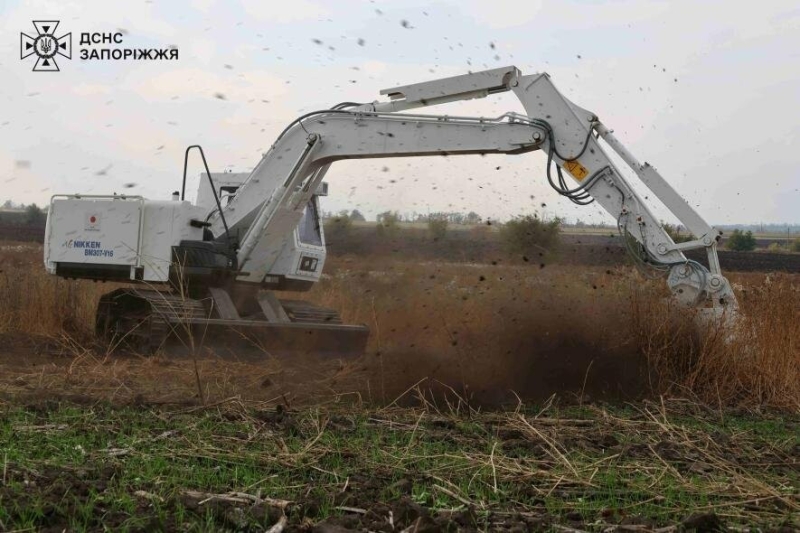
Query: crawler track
[[148, 321]]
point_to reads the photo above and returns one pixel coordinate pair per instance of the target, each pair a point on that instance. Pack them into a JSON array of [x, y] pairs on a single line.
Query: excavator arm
[[269, 205], [303, 155]]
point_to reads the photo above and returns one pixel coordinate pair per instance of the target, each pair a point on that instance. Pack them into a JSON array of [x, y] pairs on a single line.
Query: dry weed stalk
[[755, 366]]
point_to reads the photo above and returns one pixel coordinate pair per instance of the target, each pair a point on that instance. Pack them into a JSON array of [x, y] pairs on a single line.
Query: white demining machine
[[212, 266]]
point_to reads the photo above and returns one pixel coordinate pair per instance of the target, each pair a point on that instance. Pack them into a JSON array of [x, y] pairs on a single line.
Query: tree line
[[22, 215]]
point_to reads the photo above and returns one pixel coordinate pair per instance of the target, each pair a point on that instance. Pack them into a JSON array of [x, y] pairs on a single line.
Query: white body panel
[[118, 231], [166, 224], [93, 230]]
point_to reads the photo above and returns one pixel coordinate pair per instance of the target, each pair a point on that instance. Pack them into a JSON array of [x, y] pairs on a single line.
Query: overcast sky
[[706, 91]]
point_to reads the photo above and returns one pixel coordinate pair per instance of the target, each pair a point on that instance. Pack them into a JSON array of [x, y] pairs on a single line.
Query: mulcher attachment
[[147, 321]]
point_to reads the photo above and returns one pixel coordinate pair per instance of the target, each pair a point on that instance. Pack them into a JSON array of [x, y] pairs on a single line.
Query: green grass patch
[[134, 468]]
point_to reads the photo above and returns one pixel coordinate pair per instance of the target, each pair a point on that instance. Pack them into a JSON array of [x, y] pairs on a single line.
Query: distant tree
[[356, 216], [34, 216], [338, 226], [740, 241], [388, 223], [8, 204], [529, 234], [675, 234], [472, 218], [437, 226], [452, 217]]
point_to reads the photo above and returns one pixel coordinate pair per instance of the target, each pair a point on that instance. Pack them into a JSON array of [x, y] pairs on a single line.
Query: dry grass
[[757, 364], [31, 301], [566, 329], [488, 331]]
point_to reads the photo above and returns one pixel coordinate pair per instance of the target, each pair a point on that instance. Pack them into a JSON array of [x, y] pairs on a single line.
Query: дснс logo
[[45, 45]]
